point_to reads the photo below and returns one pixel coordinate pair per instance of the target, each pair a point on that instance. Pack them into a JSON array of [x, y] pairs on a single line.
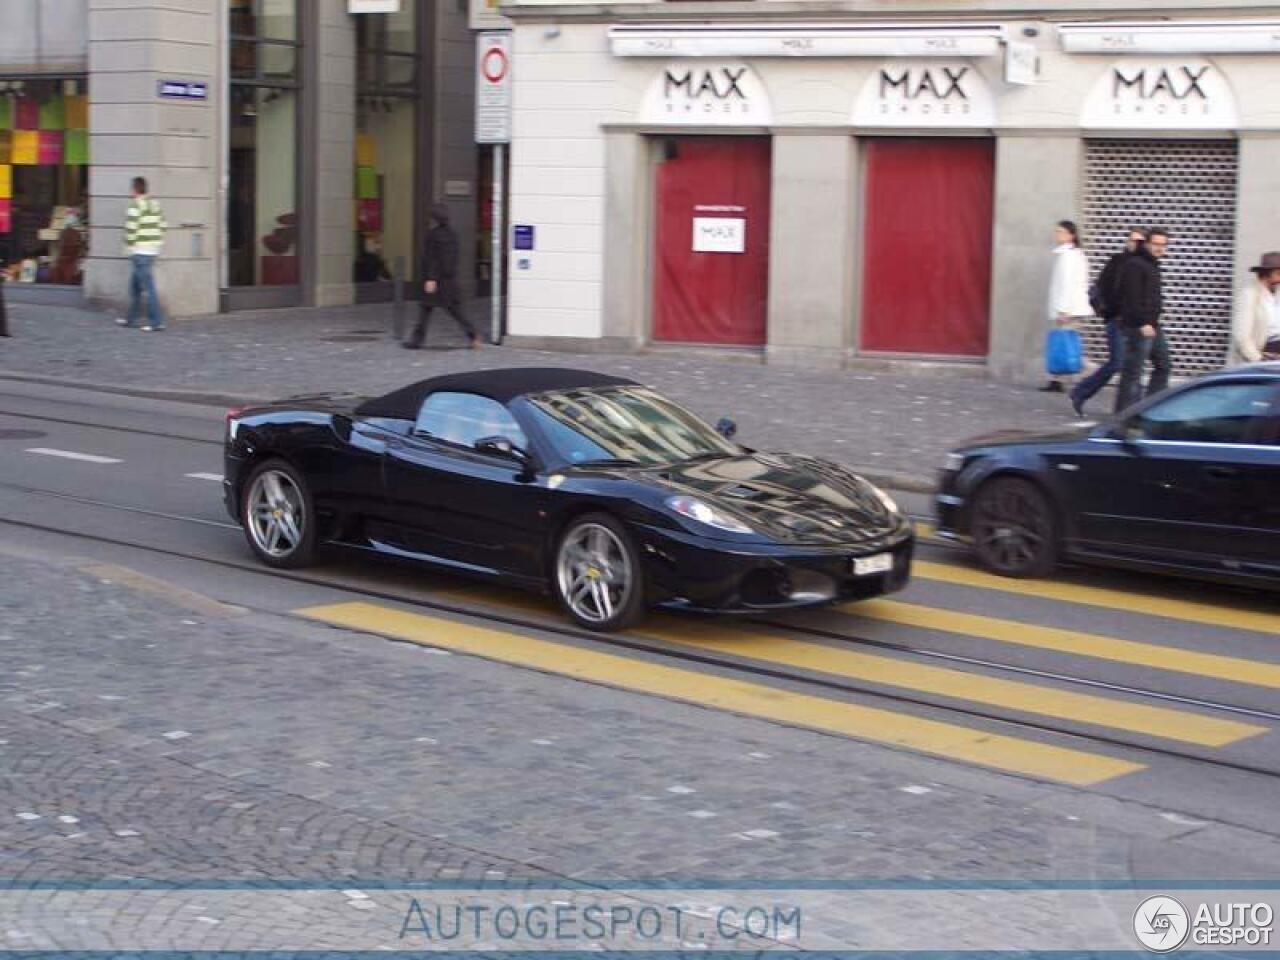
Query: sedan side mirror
[[726, 428], [1129, 434], [502, 447]]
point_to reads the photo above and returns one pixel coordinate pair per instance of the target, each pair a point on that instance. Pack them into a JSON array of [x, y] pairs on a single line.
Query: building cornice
[[853, 11]]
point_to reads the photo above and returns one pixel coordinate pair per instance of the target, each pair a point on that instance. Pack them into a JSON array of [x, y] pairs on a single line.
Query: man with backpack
[[1103, 297], [1140, 291]]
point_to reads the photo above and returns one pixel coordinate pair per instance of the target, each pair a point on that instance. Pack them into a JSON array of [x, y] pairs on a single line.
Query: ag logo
[[1161, 924]]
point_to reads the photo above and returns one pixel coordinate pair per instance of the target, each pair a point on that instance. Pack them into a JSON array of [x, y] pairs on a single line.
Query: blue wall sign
[[183, 90], [523, 236]]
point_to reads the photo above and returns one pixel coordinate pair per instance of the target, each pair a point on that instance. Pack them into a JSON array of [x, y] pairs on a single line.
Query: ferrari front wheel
[[598, 578]]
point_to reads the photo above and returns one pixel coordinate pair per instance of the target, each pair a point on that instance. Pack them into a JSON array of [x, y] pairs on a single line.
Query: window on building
[[44, 178], [262, 203], [385, 162]]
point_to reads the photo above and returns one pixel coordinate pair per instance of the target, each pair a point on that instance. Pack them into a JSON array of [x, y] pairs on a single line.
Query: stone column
[[1027, 205], [627, 239], [329, 129], [1258, 200], [133, 131], [812, 234]]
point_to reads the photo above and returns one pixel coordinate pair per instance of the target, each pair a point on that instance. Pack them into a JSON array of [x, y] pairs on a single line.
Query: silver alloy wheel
[[275, 514], [594, 572]]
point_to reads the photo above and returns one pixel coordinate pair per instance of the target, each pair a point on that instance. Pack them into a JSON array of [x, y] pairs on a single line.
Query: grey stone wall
[[132, 45]]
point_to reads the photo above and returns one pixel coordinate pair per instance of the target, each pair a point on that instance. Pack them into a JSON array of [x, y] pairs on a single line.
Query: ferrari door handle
[[1221, 473]]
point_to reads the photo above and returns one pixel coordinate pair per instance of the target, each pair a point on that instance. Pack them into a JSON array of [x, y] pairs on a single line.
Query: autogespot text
[[597, 923]]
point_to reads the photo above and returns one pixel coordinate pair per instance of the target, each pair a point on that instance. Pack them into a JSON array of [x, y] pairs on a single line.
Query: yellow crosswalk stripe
[[1171, 608], [1172, 659], [951, 741], [958, 684]]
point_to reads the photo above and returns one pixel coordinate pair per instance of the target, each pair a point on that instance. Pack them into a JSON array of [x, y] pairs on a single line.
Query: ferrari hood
[[791, 498]]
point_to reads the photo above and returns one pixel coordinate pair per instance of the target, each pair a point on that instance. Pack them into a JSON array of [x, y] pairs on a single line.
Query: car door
[[461, 505], [1181, 480]]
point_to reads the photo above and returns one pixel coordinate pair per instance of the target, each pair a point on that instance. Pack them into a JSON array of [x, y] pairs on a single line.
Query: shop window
[[262, 223], [262, 208], [385, 168], [44, 179]]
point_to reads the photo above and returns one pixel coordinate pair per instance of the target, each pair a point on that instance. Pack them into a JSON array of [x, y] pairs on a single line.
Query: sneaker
[[151, 329], [1077, 406], [123, 322]]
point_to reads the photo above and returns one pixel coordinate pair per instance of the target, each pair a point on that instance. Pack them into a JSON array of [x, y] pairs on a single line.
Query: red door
[[926, 283], [711, 245]]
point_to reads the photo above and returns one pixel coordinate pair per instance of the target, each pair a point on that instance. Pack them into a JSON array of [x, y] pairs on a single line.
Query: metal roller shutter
[[1188, 186]]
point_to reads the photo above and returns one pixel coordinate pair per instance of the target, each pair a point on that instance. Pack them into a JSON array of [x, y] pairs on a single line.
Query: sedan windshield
[[628, 425]]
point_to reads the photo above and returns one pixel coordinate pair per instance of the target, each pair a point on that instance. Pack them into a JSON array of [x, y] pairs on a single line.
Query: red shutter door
[[712, 297], [926, 284]]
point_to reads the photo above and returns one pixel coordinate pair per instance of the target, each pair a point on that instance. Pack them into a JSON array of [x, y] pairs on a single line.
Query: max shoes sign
[[1153, 94], [925, 94], [716, 95]]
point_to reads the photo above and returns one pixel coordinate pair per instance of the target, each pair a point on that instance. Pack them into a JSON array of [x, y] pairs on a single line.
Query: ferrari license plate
[[876, 563]]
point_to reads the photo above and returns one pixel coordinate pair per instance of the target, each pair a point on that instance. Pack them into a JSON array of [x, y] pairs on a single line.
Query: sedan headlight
[[954, 462], [695, 509]]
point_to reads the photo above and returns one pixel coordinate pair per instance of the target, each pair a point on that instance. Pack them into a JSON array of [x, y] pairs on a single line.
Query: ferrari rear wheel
[[1014, 530], [278, 516], [599, 580]]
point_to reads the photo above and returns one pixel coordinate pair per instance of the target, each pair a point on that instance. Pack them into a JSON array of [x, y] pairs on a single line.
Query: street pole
[[498, 247]]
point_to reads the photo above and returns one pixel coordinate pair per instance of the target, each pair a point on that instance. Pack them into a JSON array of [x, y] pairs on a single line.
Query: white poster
[[719, 235], [373, 6]]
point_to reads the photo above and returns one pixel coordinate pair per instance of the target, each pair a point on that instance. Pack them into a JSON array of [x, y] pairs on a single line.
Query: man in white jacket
[[1255, 328]]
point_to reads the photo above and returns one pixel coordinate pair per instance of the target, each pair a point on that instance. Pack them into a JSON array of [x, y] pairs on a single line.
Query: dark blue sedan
[[1186, 482]]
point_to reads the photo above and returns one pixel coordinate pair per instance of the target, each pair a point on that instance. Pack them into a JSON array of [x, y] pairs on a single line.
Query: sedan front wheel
[[1014, 529], [598, 580]]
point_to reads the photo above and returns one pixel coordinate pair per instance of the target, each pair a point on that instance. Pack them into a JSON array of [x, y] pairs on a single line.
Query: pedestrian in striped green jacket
[[144, 229]]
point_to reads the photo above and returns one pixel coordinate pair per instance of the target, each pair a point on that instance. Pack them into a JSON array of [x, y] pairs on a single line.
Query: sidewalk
[[893, 426]]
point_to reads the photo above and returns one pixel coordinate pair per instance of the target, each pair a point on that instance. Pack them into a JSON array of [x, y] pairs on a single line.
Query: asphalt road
[[1099, 725]]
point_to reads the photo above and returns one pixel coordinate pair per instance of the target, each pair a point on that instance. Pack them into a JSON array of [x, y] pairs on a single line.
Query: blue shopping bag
[[1064, 351]]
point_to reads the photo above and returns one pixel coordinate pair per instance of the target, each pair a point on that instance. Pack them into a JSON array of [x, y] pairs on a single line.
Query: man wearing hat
[[1255, 328], [440, 279]]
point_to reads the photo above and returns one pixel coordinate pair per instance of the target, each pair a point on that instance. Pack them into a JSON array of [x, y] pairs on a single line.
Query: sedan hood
[[790, 498], [1011, 438]]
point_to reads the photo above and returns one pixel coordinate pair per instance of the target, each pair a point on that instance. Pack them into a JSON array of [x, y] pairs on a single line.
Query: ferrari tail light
[[233, 421]]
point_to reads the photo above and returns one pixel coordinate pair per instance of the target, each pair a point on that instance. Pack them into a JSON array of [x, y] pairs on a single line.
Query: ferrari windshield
[[624, 425]]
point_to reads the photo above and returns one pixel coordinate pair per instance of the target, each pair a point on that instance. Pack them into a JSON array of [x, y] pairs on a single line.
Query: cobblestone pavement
[[893, 425], [140, 739]]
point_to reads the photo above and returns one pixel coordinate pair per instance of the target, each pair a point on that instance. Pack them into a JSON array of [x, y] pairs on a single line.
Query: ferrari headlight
[[954, 462], [696, 509], [889, 503]]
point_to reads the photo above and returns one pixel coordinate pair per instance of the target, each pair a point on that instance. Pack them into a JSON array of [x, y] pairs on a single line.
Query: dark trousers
[[1137, 351], [1090, 385], [452, 306]]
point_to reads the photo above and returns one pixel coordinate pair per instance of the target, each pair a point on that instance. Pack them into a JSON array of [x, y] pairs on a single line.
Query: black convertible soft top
[[502, 385]]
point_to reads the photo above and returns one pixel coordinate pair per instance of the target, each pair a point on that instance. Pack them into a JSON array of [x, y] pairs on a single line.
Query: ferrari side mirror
[[502, 447]]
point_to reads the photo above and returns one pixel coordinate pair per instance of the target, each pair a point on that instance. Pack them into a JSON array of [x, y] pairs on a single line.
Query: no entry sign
[[493, 87]]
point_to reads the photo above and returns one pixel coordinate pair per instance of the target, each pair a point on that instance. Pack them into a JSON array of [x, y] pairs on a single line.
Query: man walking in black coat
[[1106, 306], [1141, 305], [440, 279]]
